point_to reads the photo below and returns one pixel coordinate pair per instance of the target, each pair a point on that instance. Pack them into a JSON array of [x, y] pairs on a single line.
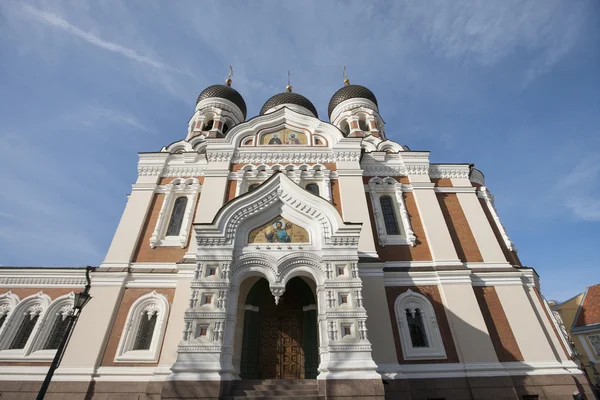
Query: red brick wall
[[420, 252], [433, 295], [145, 253]]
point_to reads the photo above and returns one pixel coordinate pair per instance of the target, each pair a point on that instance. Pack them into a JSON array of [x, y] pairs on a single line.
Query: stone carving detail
[[485, 194], [362, 329]]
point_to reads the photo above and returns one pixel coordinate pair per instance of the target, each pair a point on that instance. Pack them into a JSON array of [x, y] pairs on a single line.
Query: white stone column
[[132, 221], [354, 206], [92, 331]]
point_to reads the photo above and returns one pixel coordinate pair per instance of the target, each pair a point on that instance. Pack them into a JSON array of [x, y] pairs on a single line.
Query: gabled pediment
[[313, 219]]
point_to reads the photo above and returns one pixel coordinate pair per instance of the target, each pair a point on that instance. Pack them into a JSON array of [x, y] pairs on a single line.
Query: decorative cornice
[[150, 170], [449, 171]]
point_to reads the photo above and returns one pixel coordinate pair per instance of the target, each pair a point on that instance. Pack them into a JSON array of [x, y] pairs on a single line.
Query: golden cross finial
[[288, 88], [228, 80], [346, 80]]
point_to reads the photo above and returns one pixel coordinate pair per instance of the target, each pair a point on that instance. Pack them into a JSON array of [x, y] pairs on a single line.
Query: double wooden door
[[281, 345]]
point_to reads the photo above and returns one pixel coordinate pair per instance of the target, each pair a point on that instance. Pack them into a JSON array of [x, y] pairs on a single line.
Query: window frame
[[46, 322], [12, 324], [412, 300], [156, 302], [388, 186], [179, 187], [592, 346]]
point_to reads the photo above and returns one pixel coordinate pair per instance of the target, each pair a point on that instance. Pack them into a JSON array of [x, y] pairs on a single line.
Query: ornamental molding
[[446, 171], [384, 170], [282, 156], [219, 104], [176, 171], [42, 281], [488, 197], [219, 156], [150, 170]]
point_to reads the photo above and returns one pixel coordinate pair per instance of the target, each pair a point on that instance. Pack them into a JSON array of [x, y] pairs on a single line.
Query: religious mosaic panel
[[284, 137], [279, 230]]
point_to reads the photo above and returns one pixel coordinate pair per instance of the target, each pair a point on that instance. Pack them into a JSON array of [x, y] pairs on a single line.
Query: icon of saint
[[292, 139], [275, 139], [279, 234]]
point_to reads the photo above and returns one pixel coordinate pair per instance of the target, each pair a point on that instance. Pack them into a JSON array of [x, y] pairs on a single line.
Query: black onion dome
[[350, 92], [224, 92], [289, 98]]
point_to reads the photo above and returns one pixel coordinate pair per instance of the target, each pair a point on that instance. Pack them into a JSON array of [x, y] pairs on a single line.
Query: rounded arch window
[[313, 188], [363, 124], [208, 124], [345, 128]]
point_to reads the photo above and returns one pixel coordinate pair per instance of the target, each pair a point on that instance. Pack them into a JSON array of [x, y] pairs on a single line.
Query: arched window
[[414, 319], [144, 329], [143, 338], [58, 315], [363, 125], [253, 186], [345, 128], [389, 216], [8, 302], [20, 328], [177, 216], [313, 188], [420, 336], [208, 125]]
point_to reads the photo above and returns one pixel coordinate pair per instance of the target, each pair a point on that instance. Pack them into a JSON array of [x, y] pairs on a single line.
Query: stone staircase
[[271, 389]]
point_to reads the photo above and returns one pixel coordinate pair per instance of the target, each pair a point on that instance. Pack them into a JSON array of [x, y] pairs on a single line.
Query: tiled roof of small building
[[589, 311]]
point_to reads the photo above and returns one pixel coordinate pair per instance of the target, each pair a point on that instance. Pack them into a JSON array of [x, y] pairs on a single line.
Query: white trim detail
[[152, 304], [62, 306], [389, 186], [8, 302], [413, 301], [179, 187], [485, 194]]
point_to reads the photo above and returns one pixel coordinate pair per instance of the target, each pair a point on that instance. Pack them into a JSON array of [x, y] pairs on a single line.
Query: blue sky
[[512, 86]]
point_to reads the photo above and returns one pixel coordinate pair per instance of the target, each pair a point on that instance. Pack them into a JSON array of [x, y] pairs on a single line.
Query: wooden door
[[281, 353]]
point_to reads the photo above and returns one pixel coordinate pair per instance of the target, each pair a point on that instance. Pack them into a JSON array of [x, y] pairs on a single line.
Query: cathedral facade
[[283, 255]]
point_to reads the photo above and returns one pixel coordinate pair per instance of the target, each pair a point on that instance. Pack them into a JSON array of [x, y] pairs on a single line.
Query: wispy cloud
[[579, 188], [61, 23]]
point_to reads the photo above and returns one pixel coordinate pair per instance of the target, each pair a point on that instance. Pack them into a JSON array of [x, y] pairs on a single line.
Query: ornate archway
[[280, 340]]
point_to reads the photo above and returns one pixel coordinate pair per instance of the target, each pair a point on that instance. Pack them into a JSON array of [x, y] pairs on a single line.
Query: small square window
[[343, 299], [341, 271], [211, 271], [346, 330], [207, 299], [201, 330]]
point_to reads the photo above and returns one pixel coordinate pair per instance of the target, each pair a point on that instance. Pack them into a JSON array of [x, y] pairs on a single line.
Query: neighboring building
[[580, 317], [285, 246]]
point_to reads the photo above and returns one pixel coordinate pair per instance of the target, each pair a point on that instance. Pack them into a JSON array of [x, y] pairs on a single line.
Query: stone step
[[275, 387], [277, 397], [276, 392]]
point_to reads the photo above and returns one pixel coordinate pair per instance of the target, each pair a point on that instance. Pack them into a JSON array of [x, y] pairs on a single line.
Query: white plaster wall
[[469, 331], [379, 325], [211, 198], [126, 236], [524, 323], [547, 324], [480, 226], [176, 324], [434, 224], [90, 336], [354, 207]]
